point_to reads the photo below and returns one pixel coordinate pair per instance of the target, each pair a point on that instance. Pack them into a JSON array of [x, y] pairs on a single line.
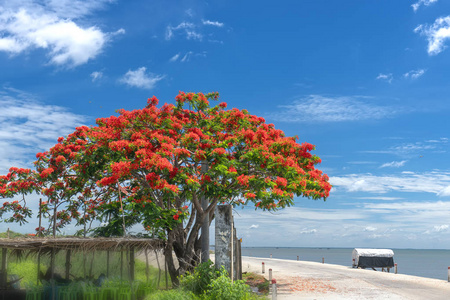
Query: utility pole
[[205, 225]]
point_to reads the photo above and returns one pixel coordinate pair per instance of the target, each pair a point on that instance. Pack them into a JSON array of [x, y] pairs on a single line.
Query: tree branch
[[191, 220]]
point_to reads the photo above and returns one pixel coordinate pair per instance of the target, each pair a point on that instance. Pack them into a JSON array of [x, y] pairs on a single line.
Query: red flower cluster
[[250, 195], [152, 101], [45, 173], [219, 151]]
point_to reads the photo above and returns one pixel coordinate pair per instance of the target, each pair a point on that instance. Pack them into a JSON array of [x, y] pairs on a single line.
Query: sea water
[[423, 263]]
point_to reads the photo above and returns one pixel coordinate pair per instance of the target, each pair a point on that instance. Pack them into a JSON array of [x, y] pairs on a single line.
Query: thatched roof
[[35, 244]]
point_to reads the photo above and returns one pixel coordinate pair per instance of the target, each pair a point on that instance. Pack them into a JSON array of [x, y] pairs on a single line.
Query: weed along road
[[314, 280]]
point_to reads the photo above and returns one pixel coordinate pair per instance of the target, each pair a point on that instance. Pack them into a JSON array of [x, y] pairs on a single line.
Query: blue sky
[[365, 81]]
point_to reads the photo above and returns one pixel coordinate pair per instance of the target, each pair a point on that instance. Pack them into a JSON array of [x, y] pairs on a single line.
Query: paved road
[[310, 280]]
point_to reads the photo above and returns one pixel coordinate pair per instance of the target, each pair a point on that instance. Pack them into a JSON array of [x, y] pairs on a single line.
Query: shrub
[[176, 294], [210, 284], [223, 288], [198, 282], [257, 281]]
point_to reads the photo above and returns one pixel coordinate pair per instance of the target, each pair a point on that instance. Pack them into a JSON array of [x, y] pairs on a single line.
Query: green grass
[[175, 294], [26, 269], [257, 281], [85, 265], [221, 288], [12, 235]]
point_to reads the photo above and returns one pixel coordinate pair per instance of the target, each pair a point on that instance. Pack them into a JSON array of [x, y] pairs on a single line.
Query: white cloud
[[361, 162], [416, 5], [440, 228], [319, 214], [385, 77], [212, 23], [436, 34], [28, 127], [140, 79], [28, 25], [414, 74], [193, 35], [381, 198], [441, 140], [308, 231], [316, 108], [394, 164], [378, 236], [96, 76], [193, 31], [72, 9], [187, 56], [185, 28], [411, 213], [370, 228], [66, 9], [416, 149], [190, 12], [118, 32], [412, 147], [174, 58], [437, 228], [445, 191], [429, 182]]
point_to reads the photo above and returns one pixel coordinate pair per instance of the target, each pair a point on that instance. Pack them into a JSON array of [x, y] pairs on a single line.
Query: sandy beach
[[311, 280]]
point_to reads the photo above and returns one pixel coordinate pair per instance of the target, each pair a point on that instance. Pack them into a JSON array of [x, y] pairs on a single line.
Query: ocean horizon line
[[325, 247]]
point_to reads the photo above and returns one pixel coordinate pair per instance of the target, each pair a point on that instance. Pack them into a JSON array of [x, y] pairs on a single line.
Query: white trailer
[[373, 258]]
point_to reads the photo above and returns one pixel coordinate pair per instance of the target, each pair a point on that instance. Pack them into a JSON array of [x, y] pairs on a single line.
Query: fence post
[[224, 234], [147, 269], [132, 264], [38, 266], [274, 289], [263, 267], [68, 252], [448, 274], [3, 272], [232, 252], [237, 257], [107, 262], [270, 275]]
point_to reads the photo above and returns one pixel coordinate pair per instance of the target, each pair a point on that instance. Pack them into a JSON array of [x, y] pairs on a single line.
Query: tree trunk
[[188, 256], [168, 249], [187, 246], [205, 226]]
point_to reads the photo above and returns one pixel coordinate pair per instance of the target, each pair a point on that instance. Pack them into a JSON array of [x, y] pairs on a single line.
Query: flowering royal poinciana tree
[[145, 166]]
